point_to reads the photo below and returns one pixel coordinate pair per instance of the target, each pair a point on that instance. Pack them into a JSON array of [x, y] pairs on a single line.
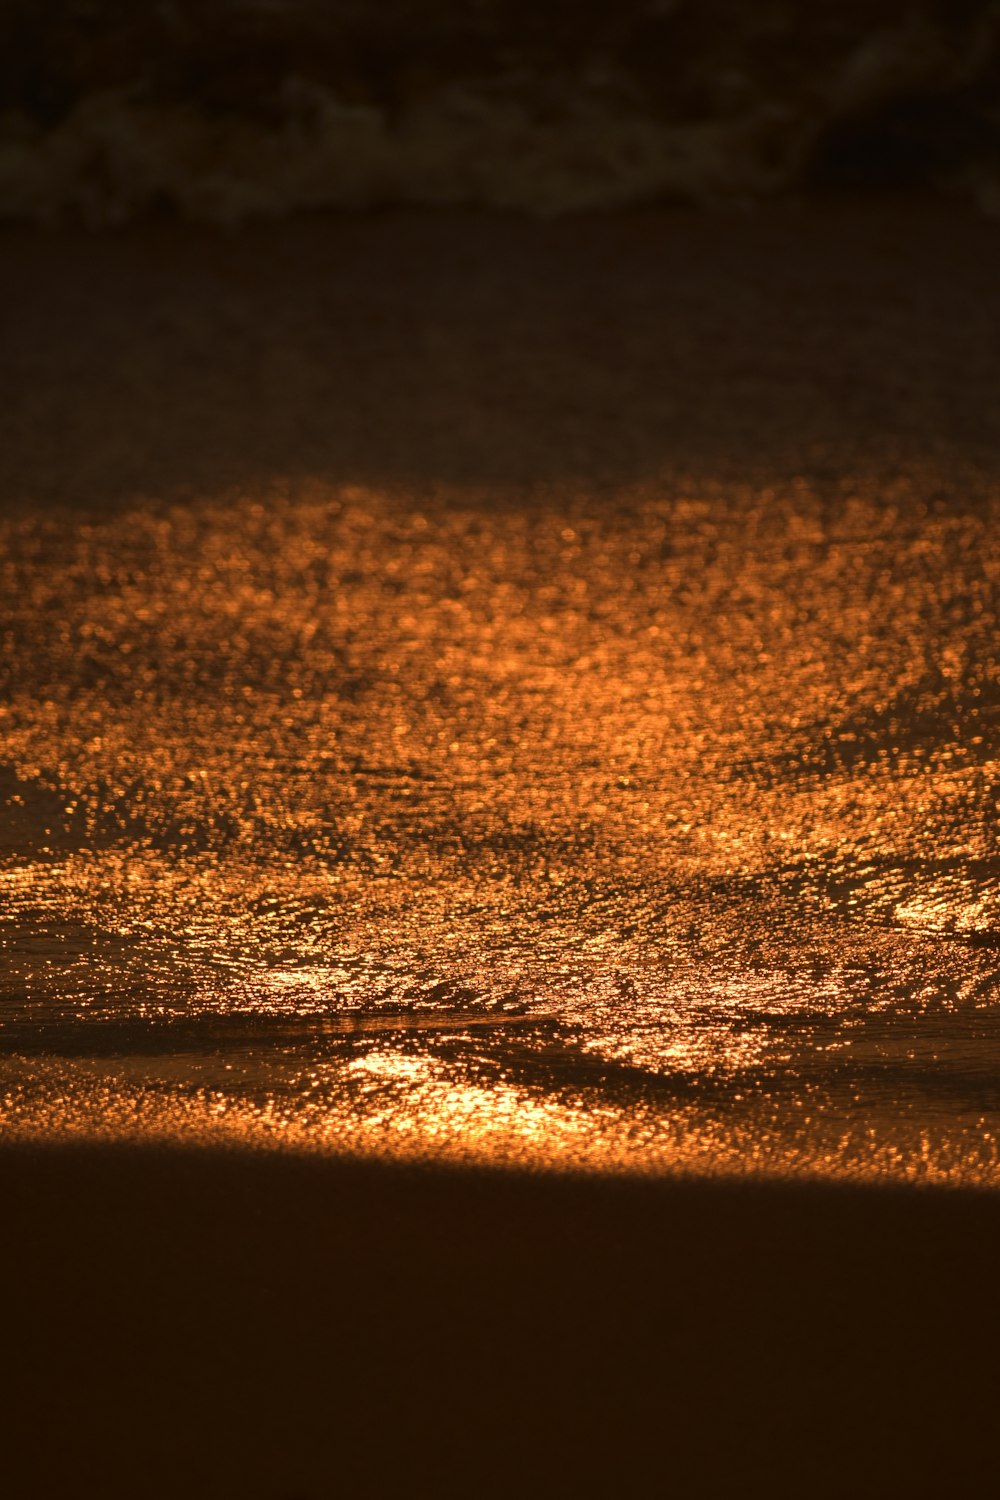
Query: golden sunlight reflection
[[654, 836]]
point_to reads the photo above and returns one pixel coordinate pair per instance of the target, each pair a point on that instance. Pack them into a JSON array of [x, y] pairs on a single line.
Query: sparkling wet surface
[[649, 824]]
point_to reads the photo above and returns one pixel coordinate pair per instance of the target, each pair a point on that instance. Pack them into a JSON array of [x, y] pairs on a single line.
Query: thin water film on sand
[[647, 829]]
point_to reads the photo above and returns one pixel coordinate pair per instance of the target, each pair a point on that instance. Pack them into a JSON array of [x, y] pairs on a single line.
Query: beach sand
[[230, 1325], [184, 1323]]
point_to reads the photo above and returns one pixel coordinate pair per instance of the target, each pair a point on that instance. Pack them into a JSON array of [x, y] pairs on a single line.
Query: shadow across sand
[[182, 1322], [416, 349]]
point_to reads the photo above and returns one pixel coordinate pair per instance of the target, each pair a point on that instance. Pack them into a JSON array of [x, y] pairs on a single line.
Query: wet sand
[[225, 1326], [583, 627]]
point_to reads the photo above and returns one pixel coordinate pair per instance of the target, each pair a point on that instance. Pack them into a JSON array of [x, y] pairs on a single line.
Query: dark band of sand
[[234, 1325]]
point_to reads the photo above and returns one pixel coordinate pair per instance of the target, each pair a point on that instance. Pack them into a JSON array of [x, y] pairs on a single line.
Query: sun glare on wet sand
[[648, 830]]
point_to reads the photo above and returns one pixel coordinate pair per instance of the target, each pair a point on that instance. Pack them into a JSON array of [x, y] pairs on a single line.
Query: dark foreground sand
[[184, 1324]]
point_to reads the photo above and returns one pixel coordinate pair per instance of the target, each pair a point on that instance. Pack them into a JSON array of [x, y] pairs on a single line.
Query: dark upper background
[[876, 94], [822, 337]]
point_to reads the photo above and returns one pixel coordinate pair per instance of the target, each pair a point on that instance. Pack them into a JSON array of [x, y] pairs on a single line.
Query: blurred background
[[229, 109]]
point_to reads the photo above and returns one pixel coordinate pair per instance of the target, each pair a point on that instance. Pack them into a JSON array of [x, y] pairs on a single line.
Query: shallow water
[[646, 827]]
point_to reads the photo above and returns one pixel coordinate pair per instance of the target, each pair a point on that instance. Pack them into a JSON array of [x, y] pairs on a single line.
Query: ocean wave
[[910, 101]]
